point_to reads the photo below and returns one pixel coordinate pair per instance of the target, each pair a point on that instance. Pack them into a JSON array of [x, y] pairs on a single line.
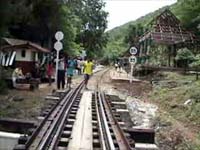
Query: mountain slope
[[188, 11]]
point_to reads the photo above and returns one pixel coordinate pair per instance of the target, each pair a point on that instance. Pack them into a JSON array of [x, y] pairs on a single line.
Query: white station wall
[[29, 56]]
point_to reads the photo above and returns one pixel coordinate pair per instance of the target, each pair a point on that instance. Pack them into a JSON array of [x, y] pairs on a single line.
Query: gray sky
[[123, 11]]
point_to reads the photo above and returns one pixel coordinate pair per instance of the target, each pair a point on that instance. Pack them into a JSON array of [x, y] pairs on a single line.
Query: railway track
[[81, 120], [46, 134]]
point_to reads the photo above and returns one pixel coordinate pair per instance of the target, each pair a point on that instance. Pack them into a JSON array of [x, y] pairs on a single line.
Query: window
[[33, 56], [23, 53]]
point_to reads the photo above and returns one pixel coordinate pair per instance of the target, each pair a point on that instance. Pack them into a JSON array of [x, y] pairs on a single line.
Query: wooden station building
[[20, 53]]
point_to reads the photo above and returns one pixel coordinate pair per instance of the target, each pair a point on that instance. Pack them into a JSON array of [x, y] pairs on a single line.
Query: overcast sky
[[123, 11]]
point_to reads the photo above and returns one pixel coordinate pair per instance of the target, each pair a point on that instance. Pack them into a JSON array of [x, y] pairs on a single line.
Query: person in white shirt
[[61, 73]]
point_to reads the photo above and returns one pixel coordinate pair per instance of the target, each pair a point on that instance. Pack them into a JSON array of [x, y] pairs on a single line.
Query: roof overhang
[[16, 43]]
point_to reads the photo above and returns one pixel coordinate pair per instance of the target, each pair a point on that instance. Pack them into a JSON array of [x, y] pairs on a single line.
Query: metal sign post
[[58, 46], [132, 60]]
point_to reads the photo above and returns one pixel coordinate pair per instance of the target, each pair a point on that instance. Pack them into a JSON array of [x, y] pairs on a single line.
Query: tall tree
[[94, 23], [189, 13], [134, 32]]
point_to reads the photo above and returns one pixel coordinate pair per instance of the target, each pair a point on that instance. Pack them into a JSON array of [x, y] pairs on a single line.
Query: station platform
[[122, 75]]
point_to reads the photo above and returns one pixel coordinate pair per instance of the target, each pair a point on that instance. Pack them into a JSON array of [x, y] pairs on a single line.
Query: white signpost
[[132, 60], [58, 46], [133, 50]]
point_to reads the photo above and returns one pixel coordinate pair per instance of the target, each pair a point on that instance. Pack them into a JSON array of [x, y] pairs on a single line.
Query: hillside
[[187, 11], [116, 45]]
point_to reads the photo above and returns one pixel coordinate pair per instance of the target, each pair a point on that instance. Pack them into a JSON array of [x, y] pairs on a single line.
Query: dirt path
[[20, 104]]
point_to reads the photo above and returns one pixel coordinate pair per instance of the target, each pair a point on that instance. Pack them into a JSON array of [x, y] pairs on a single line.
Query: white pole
[[131, 79], [58, 46], [57, 59]]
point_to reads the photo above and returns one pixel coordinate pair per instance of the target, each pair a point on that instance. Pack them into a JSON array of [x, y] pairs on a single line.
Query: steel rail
[[119, 134], [38, 129], [52, 122], [55, 140], [52, 135], [105, 123], [121, 139], [103, 141]]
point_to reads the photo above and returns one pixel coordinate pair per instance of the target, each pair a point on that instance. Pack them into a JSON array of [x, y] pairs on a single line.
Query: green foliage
[[134, 32], [196, 62], [172, 100], [123, 34], [94, 23], [82, 21], [186, 10], [184, 54], [158, 55]]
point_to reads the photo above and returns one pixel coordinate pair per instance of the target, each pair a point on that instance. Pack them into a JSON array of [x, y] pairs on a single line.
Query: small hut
[[21, 53]]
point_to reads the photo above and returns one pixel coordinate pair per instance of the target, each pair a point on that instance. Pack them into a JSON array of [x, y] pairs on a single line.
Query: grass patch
[[172, 98]]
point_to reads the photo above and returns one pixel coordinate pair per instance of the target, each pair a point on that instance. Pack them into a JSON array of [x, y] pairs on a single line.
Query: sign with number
[[133, 50], [132, 60], [58, 46], [59, 35]]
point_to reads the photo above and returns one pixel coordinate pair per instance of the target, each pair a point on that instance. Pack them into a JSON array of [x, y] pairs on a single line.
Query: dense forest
[[83, 23], [121, 38], [38, 20]]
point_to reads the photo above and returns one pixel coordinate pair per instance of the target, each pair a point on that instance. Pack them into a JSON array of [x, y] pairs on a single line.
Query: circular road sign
[[133, 50], [58, 46], [132, 60], [59, 35]]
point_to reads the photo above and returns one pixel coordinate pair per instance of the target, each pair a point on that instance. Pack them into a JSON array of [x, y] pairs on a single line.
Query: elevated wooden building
[[166, 29]]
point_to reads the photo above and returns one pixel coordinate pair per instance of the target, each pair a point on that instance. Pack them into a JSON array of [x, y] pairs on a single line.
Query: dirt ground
[[171, 134], [24, 104]]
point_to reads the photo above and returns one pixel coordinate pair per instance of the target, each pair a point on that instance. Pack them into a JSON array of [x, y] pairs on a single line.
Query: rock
[[174, 105], [18, 98], [189, 101]]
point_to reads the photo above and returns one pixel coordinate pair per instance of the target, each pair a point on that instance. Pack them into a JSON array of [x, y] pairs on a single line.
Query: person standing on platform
[[78, 66], [50, 72], [61, 73], [88, 71], [71, 65]]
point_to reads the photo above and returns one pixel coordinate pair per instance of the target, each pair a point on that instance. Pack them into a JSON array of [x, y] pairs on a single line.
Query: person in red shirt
[[50, 71]]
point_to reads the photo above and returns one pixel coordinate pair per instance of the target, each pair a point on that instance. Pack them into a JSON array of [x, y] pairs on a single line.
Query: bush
[[184, 57]]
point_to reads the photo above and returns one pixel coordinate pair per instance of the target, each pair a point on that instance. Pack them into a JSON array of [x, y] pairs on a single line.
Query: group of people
[[67, 68]]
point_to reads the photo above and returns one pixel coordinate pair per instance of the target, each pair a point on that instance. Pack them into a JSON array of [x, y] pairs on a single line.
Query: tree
[[188, 12], [184, 57], [94, 23], [134, 32], [196, 64], [38, 20]]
